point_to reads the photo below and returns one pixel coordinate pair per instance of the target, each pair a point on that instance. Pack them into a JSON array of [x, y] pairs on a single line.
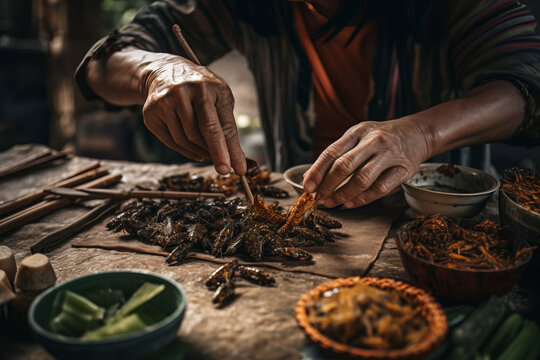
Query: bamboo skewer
[[183, 42], [33, 163], [80, 176], [45, 207]]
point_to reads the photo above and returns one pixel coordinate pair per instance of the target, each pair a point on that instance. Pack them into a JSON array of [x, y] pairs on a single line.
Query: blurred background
[[41, 44]]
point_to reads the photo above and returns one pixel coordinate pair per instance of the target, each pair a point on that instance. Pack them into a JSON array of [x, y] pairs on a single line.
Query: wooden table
[[262, 327]]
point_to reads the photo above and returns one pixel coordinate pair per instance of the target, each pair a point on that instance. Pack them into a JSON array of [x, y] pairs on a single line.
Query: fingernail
[[222, 169], [349, 204], [310, 186]]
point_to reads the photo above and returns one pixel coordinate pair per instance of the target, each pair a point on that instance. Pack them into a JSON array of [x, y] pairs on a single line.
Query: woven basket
[[424, 302]]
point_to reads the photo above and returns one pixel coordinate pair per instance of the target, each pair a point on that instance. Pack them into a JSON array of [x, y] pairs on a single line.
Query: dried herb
[[444, 241]]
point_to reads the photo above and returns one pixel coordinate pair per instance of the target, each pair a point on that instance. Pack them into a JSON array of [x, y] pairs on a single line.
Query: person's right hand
[[190, 109]]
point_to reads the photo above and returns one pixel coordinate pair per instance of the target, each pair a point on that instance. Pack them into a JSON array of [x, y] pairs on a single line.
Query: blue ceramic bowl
[[134, 345]]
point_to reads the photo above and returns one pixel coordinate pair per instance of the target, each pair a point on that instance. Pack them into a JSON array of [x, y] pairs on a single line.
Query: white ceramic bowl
[[464, 194], [295, 175]]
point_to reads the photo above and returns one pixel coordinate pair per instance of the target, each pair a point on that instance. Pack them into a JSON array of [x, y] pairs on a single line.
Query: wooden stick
[[85, 174], [139, 194], [93, 174], [140, 250], [31, 157], [183, 42], [45, 207], [106, 180], [247, 189], [30, 164], [57, 238]]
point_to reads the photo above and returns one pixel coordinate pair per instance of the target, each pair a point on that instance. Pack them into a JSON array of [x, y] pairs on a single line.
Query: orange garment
[[341, 75]]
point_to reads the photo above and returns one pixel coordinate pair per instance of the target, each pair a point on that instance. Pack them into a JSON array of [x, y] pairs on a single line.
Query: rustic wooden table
[[259, 325]]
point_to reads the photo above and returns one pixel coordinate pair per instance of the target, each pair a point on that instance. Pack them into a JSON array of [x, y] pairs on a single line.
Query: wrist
[[424, 137]]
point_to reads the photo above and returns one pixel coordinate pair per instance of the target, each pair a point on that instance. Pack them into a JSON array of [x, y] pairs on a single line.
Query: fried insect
[[225, 227], [325, 221], [179, 253], [477, 246], [256, 276], [265, 212], [222, 280], [293, 253], [223, 237], [224, 294], [259, 182], [254, 244], [223, 274], [270, 191], [301, 207]]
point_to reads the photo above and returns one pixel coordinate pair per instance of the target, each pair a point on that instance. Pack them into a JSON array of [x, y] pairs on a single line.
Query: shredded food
[[444, 241], [366, 317]]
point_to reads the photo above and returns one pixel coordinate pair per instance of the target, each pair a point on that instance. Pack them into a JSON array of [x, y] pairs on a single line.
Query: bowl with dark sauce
[[449, 190]]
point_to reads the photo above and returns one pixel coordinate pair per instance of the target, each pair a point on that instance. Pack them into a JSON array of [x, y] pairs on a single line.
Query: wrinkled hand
[[190, 109], [378, 155]]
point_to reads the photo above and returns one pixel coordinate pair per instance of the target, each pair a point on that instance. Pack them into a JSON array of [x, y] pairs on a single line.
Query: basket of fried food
[[372, 318], [462, 261]]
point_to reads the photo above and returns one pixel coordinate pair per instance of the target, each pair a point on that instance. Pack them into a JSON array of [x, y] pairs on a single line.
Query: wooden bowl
[[468, 285], [426, 305]]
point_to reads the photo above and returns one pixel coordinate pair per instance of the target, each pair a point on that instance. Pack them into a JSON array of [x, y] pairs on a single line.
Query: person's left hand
[[378, 155]]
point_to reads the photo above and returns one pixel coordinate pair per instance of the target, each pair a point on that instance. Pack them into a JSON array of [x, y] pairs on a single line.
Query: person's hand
[[378, 155], [190, 109]]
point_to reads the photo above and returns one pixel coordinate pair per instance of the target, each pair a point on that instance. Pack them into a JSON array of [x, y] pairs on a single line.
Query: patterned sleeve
[[495, 40], [206, 25]]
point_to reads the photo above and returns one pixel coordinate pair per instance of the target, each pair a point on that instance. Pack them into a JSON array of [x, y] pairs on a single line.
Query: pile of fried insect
[[228, 227]]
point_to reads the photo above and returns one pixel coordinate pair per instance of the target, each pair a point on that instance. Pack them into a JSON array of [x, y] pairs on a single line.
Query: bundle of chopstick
[[33, 205]]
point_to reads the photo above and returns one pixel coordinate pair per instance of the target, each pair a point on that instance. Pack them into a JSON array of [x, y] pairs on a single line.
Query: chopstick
[[45, 207], [56, 238], [183, 42], [87, 173], [33, 162]]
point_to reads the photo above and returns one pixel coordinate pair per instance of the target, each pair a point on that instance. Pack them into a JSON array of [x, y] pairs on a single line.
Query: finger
[[179, 136], [225, 106], [387, 182], [184, 112], [212, 133], [317, 172], [363, 179], [160, 130]]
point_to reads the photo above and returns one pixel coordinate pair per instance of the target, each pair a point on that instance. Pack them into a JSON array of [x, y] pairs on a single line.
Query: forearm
[[123, 78], [488, 113]]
